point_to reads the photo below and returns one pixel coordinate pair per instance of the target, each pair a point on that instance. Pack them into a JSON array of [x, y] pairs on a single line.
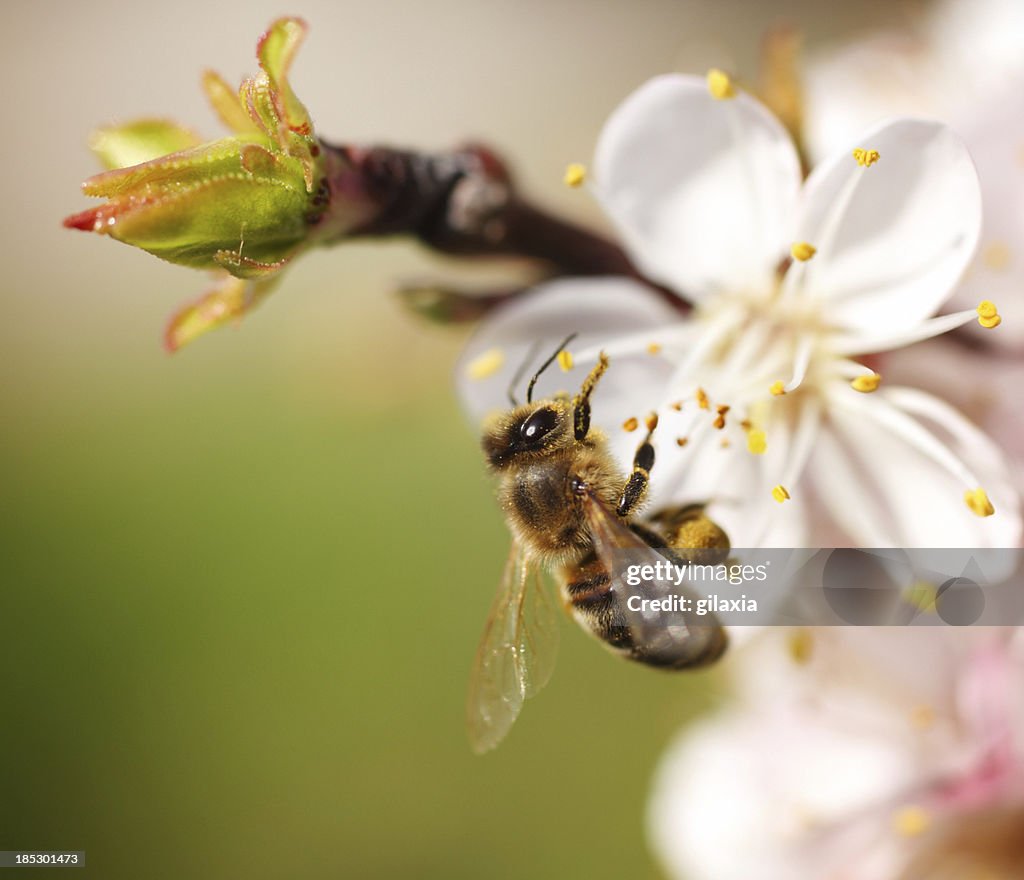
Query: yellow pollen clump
[[977, 501], [778, 388], [565, 360], [720, 84], [702, 399], [682, 441], [630, 424], [803, 251], [486, 364], [865, 158], [780, 494], [651, 421], [575, 174], [922, 717], [757, 443], [911, 821], [654, 348], [800, 646], [867, 383], [988, 315]]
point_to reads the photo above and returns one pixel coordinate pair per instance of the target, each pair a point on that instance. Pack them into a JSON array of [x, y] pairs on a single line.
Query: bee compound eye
[[537, 425]]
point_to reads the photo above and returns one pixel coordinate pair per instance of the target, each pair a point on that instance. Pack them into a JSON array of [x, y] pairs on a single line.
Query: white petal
[[904, 496], [893, 238], [602, 311], [702, 190]]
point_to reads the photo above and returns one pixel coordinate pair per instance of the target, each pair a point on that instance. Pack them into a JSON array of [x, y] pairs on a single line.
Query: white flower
[[855, 754], [964, 64], [708, 197]]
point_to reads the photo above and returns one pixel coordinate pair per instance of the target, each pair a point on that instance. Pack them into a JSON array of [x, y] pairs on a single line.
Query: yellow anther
[[682, 441], [654, 348], [803, 251], [865, 158], [575, 174], [486, 364], [988, 314], [565, 360], [996, 255], [778, 388], [800, 646], [702, 399], [720, 84], [922, 717], [678, 405], [651, 421], [757, 443], [725, 444], [977, 501], [922, 595], [720, 418], [911, 821], [780, 494], [631, 424], [867, 383]]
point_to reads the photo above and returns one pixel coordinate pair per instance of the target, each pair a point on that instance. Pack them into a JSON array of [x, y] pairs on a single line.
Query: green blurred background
[[242, 586]]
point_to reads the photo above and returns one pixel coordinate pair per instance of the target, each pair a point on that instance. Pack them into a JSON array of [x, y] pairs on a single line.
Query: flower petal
[[119, 146], [900, 493], [893, 238], [602, 311], [702, 190]]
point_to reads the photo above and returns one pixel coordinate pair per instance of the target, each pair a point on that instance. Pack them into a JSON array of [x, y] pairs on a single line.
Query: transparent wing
[[516, 653], [690, 639]]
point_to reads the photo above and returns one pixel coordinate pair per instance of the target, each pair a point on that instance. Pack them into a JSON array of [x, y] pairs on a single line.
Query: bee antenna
[[520, 372], [546, 364]]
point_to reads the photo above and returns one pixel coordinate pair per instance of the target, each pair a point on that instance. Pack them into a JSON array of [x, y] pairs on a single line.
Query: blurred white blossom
[[769, 406], [854, 754]]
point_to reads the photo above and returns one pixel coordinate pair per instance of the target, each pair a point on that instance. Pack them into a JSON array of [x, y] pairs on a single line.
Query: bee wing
[[516, 653], [688, 638]]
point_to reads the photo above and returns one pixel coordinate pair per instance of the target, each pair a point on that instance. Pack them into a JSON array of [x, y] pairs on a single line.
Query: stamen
[[866, 158], [996, 256], [778, 388], [803, 251], [800, 645], [757, 443], [988, 315], [654, 348], [631, 424], [677, 406], [720, 84], [565, 360], [682, 441], [910, 821], [977, 501], [867, 383], [575, 174], [780, 494], [725, 444], [702, 399], [922, 717], [486, 364], [651, 421], [720, 418], [801, 361]]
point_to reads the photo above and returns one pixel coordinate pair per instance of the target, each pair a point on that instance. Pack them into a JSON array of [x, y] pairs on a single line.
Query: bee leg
[[581, 402], [636, 486], [688, 528]]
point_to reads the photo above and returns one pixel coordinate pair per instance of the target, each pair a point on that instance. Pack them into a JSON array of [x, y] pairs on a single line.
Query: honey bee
[[572, 512]]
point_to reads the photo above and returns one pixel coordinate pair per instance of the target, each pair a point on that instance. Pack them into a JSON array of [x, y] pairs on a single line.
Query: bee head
[[528, 432]]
